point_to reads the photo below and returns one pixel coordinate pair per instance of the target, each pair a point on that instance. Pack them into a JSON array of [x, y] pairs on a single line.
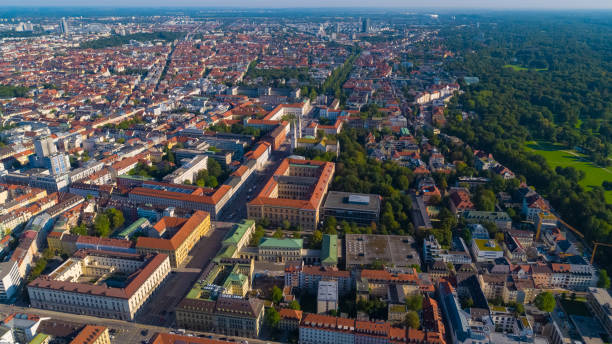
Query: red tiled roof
[[188, 226]]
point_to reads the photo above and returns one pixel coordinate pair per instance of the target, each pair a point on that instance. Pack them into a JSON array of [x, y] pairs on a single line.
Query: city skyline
[[390, 4]]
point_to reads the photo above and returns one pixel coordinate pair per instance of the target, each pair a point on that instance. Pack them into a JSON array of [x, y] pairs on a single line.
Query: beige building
[[226, 315], [176, 236], [92, 334], [99, 283]]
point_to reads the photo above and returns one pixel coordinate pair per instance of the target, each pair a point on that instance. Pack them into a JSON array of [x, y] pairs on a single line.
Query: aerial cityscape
[[314, 176]]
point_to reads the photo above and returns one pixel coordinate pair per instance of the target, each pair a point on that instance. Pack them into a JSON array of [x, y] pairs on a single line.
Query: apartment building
[[324, 329], [307, 277]]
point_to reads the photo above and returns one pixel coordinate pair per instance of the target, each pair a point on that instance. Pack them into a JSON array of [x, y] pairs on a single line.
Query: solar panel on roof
[[359, 199]]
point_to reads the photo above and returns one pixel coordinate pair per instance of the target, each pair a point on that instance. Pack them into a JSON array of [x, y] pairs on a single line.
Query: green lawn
[[558, 155], [518, 68]]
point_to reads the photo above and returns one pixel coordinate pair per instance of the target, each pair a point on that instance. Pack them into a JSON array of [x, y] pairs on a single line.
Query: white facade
[[62, 294], [9, 279], [327, 296], [310, 335], [491, 250], [188, 171]]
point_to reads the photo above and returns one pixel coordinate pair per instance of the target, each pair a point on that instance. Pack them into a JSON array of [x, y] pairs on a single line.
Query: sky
[[407, 4]]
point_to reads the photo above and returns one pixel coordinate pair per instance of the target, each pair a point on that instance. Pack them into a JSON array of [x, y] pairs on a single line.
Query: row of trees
[[117, 40], [236, 128], [9, 91]]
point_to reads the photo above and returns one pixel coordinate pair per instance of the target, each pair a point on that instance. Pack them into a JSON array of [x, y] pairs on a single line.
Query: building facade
[[64, 291], [177, 246]]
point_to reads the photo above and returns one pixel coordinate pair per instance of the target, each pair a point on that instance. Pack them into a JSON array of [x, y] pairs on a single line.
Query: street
[[237, 209], [122, 332], [159, 310]]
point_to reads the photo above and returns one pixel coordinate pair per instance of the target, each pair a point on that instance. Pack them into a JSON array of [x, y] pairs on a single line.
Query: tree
[[414, 302], [604, 280], [466, 234], [277, 294], [466, 302], [214, 168], [545, 301], [485, 199], [102, 225], [520, 308], [330, 225], [257, 236], [278, 234], [116, 217], [499, 237], [317, 238], [294, 305], [412, 320], [79, 230], [286, 224], [272, 318]]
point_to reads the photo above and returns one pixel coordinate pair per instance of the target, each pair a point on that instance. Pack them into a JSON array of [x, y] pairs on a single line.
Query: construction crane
[[570, 227], [595, 244], [544, 215]]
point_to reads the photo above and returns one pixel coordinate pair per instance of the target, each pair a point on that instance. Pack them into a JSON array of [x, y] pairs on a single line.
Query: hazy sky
[[491, 4]]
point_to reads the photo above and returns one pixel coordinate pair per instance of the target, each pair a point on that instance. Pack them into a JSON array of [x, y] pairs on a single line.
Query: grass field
[[518, 68], [557, 155]]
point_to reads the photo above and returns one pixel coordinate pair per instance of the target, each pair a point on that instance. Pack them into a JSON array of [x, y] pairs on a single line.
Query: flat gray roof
[[352, 201], [393, 250]]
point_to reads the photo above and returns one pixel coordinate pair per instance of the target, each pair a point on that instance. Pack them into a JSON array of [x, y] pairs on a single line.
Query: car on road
[[144, 332]]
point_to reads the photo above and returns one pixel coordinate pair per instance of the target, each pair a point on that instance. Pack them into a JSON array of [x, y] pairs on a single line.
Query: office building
[[188, 171], [9, 279], [486, 250], [58, 164], [64, 28], [457, 254], [365, 25], [44, 147], [363, 209]]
